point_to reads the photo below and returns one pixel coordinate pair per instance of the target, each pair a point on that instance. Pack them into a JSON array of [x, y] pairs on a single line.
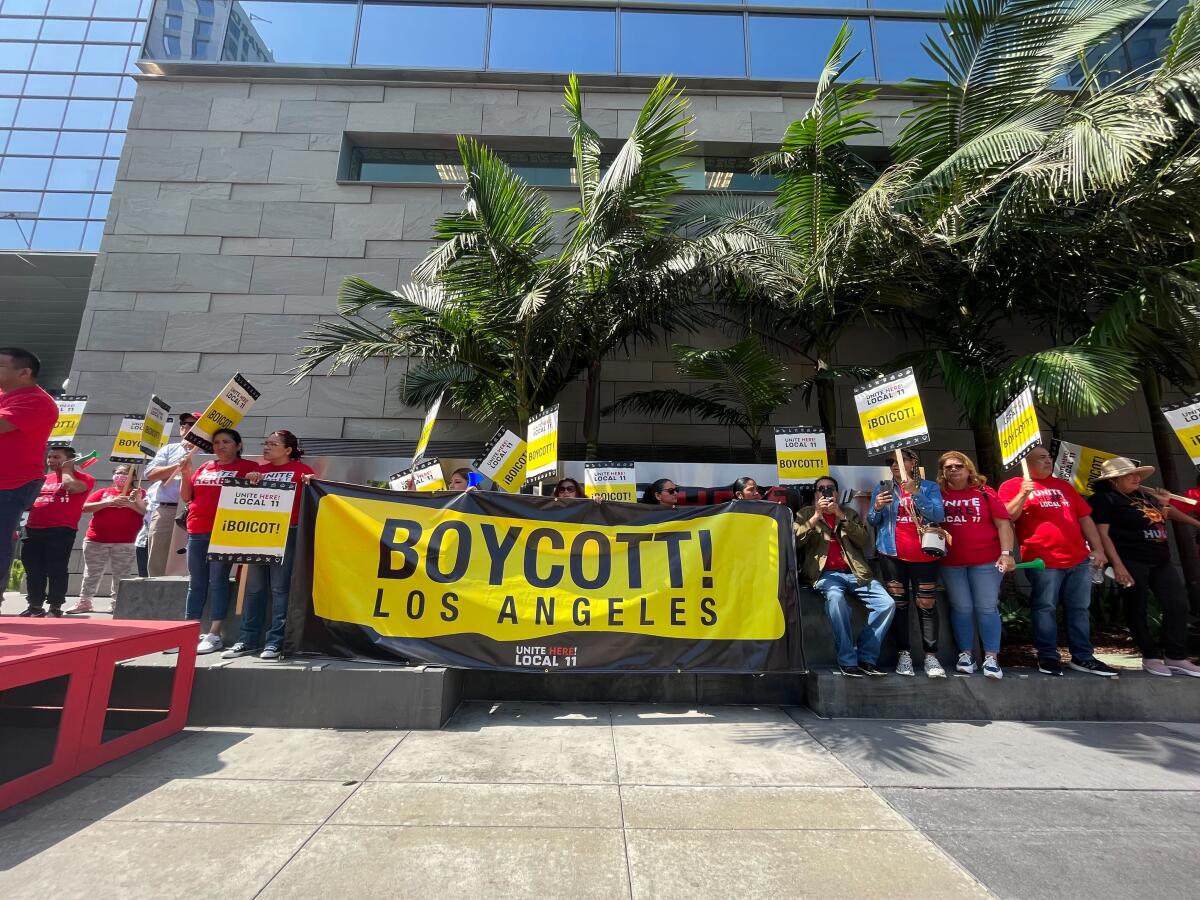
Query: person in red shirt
[[117, 514], [27, 416], [50, 533], [281, 452], [979, 555], [1052, 521], [200, 489]]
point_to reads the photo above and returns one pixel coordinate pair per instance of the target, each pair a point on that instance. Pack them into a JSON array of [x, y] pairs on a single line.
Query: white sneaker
[[904, 664], [210, 643], [966, 664], [933, 668], [991, 668], [1182, 667], [269, 653], [81, 606], [239, 649]]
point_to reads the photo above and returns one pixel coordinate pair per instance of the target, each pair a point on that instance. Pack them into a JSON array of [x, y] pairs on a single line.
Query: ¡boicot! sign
[[227, 409], [890, 413], [252, 522], [503, 461]]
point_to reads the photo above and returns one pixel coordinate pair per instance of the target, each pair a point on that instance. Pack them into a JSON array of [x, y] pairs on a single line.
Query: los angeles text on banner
[[70, 412], [1185, 420], [252, 522], [503, 461], [154, 428], [127, 448], [1078, 464], [227, 409], [890, 413], [491, 580], [541, 454], [800, 454], [611, 480], [427, 429], [1018, 429]]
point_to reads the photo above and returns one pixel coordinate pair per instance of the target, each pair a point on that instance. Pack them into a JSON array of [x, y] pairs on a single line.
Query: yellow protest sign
[[800, 454], [127, 448], [1018, 429], [226, 410], [427, 428], [1079, 465], [503, 461], [610, 480], [154, 426], [541, 459], [252, 522], [70, 412], [1185, 421], [890, 413]]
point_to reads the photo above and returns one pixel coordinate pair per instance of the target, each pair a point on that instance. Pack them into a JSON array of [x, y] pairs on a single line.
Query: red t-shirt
[[55, 506], [974, 540], [836, 561], [206, 491], [113, 525], [1193, 511], [289, 473], [1048, 528], [32, 412], [908, 539]]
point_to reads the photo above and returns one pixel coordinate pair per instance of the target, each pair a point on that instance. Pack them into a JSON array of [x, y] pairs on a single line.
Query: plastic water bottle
[[1098, 575]]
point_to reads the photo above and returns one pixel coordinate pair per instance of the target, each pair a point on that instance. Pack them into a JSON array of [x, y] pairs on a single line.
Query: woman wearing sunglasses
[[979, 555], [662, 493]]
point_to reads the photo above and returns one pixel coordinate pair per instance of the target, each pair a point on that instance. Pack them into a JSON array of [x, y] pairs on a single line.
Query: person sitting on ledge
[[746, 488], [832, 538]]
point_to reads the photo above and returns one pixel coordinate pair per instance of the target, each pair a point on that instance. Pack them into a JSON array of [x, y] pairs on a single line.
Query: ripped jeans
[[907, 582]]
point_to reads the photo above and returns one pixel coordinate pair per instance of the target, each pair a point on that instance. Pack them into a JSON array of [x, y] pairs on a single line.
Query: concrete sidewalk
[[546, 800]]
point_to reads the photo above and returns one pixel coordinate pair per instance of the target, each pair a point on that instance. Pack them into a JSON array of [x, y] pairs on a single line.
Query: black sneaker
[[33, 612], [872, 669], [1093, 666], [1050, 667], [852, 671], [55, 612]]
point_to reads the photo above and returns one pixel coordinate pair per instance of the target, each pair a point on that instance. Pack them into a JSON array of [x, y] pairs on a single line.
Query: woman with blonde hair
[[980, 553]]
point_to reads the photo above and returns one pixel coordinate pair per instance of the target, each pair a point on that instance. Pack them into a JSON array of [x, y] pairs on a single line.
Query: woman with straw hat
[[1132, 520]]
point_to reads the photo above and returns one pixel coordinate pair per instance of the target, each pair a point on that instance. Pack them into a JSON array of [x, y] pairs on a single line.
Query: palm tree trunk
[[1165, 443], [984, 431], [591, 410], [827, 405]]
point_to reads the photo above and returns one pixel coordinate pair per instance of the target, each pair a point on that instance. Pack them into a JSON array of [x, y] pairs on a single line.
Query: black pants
[[46, 554], [906, 582], [1164, 582], [142, 555]]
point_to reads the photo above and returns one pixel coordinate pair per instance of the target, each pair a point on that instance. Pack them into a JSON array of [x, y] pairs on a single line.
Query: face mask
[[120, 480]]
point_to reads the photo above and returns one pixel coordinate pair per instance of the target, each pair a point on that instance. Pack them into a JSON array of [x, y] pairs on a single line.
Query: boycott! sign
[[1185, 420], [1017, 429], [541, 457], [490, 580], [890, 413], [800, 454], [127, 448], [252, 522], [610, 480], [503, 461], [70, 412], [427, 429], [1078, 464], [227, 409], [155, 426]]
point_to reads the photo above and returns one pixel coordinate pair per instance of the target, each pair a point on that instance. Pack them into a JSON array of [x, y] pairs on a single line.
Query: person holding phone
[[900, 512], [832, 539], [980, 553]]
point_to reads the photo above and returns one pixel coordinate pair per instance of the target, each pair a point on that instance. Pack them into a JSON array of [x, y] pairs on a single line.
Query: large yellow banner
[[413, 570]]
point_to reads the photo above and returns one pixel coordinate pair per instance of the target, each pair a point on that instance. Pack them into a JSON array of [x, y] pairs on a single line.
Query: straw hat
[[1120, 465]]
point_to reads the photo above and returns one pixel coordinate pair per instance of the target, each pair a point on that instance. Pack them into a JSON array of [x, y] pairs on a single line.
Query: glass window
[[118, 9], [734, 174], [103, 58], [120, 117], [24, 7], [173, 23], [81, 143], [553, 40], [69, 8], [404, 165], [930, 5], [423, 37], [15, 232], [41, 113], [100, 203], [795, 47], [810, 4], [33, 143], [171, 46], [12, 83], [8, 111], [20, 201], [17, 56], [66, 206], [55, 58], [24, 173], [89, 114], [73, 174], [111, 31], [204, 8], [116, 141], [200, 49], [52, 235], [96, 86], [139, 32], [901, 55], [92, 235], [286, 32], [654, 43], [108, 174], [204, 30], [48, 85], [64, 30], [175, 5], [19, 29]]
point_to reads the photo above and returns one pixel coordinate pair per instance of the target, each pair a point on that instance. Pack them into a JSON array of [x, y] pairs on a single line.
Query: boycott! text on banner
[[610, 480], [1185, 421], [1017, 429], [226, 410], [424, 476], [800, 454], [70, 412], [541, 452], [155, 427], [252, 521], [127, 448], [890, 413], [503, 461], [1078, 464]]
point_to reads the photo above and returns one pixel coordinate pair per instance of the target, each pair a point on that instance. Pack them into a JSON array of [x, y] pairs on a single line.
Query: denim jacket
[[928, 501]]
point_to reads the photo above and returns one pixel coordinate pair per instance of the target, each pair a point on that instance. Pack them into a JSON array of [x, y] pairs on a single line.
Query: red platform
[[36, 652]]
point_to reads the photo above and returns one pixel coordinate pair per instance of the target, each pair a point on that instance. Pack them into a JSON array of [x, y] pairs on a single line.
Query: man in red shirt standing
[[1052, 522], [27, 416], [50, 532]]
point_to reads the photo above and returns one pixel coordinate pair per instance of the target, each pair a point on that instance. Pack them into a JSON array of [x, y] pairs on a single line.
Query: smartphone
[[826, 490]]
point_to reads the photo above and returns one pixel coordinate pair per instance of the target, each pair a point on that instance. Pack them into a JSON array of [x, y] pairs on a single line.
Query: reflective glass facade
[[65, 98]]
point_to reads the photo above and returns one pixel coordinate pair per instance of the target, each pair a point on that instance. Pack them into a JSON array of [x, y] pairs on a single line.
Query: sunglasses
[[953, 466], [673, 490]]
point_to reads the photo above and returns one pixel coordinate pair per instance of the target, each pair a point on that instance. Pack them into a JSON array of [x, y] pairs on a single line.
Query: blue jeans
[[974, 595], [1074, 588], [13, 502], [836, 587], [277, 579], [206, 576]]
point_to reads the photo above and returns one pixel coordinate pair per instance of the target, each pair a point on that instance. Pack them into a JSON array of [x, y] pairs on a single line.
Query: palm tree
[[746, 386]]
